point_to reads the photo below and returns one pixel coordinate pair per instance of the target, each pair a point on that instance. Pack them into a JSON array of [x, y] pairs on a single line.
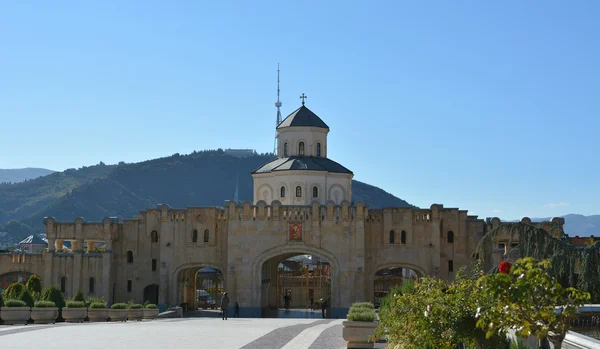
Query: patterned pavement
[[235, 333]]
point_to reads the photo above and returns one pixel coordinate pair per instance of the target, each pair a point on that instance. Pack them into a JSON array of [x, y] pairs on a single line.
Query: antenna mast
[[278, 105]]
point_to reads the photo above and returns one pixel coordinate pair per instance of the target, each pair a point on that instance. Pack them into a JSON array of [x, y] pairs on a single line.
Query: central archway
[[264, 275]]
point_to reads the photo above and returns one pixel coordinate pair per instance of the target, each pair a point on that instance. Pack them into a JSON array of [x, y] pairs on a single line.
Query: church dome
[[302, 163], [303, 117]]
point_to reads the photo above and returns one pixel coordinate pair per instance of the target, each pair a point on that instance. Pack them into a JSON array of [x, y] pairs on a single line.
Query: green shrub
[[14, 290], [78, 296], [53, 294], [44, 304], [363, 305], [119, 306], [91, 300], [34, 285], [135, 306], [98, 305], [13, 303], [151, 306], [365, 315], [76, 304], [26, 297]]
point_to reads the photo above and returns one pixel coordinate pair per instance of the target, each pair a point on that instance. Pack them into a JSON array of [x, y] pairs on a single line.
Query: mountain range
[[22, 174], [205, 178]]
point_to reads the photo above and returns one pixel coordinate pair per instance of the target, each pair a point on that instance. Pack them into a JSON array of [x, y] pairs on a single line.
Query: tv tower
[[278, 105]]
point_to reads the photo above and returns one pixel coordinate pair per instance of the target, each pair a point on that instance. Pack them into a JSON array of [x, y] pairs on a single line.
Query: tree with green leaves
[[14, 290], [34, 285], [529, 300], [78, 296], [26, 297], [54, 294]]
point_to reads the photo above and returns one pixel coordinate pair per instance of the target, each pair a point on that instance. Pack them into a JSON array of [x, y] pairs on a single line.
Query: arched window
[[285, 150], [315, 192], [206, 235], [282, 192], [318, 149], [154, 236], [298, 191], [63, 284], [301, 149], [129, 256], [92, 285], [403, 237], [392, 237], [195, 236], [450, 237]]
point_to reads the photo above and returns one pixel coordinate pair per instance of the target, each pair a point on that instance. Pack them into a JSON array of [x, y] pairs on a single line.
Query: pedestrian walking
[[323, 306], [236, 310], [224, 305]]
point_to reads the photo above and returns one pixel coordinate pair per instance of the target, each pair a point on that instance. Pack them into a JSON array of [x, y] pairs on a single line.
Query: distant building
[[584, 241], [33, 244], [240, 153]]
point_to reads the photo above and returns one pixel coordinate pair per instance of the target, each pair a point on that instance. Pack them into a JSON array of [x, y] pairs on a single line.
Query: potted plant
[[360, 327], [53, 294], [44, 312], [150, 312], [98, 311], [15, 312], [76, 311], [135, 312], [119, 312]]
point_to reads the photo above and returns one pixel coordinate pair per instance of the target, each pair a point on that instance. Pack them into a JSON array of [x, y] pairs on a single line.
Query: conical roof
[[303, 117]]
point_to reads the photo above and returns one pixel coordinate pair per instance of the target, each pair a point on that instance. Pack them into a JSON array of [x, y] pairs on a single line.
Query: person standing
[[224, 305], [323, 306], [236, 310]]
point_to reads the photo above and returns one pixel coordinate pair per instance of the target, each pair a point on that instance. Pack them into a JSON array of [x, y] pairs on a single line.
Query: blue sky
[[487, 106]]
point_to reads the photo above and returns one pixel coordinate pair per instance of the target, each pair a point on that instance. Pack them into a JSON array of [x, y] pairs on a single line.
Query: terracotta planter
[[74, 314], [135, 314], [357, 333], [44, 315], [16, 315], [97, 314], [150, 314], [118, 314]]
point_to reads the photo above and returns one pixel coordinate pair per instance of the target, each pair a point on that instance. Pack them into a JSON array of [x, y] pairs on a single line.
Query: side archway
[[178, 282]]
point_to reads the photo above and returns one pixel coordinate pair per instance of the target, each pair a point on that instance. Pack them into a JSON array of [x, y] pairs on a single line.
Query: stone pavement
[[245, 333]]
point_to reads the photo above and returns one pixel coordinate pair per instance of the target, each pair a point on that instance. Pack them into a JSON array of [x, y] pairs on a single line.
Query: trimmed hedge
[[151, 306], [362, 311], [44, 304], [34, 284], [26, 297], [14, 303], [119, 306], [364, 315], [135, 306], [76, 304], [98, 305], [78, 296], [14, 290], [53, 294]]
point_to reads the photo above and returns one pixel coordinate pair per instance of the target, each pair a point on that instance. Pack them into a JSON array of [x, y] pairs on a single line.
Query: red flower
[[504, 267]]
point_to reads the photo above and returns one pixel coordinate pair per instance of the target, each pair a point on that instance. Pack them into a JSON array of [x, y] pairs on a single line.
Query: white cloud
[[556, 204]]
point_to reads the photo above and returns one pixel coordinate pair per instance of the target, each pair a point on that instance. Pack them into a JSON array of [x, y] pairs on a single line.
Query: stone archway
[[151, 294], [183, 284], [387, 276], [281, 253]]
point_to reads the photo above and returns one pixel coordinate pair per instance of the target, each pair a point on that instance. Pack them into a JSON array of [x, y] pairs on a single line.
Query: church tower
[[302, 172]]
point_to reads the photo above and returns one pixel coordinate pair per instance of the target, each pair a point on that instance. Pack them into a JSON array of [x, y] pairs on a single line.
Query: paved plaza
[[235, 333]]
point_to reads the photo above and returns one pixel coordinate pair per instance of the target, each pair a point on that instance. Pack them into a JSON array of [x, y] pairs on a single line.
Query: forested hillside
[[205, 178]]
